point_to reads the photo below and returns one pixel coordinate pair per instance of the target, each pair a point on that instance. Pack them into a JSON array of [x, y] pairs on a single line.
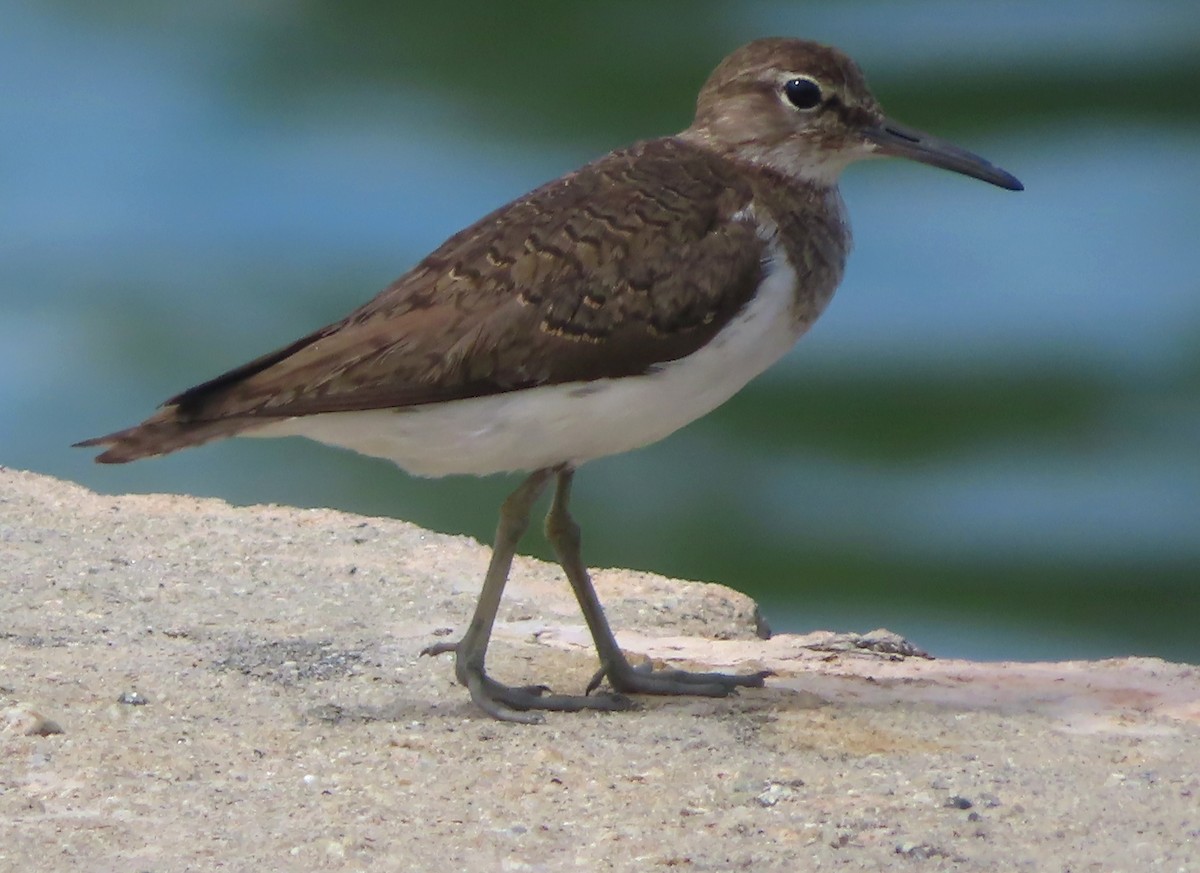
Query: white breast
[[573, 422]]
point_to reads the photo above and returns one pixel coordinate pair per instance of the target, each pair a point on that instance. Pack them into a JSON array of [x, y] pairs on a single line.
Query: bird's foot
[[644, 679], [435, 649], [520, 703]]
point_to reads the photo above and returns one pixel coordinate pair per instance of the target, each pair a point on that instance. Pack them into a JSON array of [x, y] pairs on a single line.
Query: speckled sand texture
[[240, 689]]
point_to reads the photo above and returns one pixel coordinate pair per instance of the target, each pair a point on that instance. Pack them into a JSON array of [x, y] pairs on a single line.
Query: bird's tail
[[164, 432]]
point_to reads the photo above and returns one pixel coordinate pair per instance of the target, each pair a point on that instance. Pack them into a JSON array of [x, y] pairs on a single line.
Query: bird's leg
[[505, 702], [563, 534]]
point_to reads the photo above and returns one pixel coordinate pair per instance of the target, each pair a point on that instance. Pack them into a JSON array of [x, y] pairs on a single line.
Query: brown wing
[[634, 260]]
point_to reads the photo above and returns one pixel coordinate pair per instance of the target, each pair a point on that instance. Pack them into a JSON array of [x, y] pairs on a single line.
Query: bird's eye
[[803, 93]]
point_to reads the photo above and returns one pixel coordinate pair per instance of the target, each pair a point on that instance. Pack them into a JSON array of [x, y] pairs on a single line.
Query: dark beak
[[901, 141]]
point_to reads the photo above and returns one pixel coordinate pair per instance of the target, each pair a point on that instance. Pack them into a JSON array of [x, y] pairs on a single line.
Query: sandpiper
[[596, 314]]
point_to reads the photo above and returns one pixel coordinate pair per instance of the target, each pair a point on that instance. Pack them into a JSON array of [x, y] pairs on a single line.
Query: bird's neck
[[810, 228]]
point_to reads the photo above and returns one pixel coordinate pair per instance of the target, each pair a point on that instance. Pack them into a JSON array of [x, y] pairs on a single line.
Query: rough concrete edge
[[1123, 695]]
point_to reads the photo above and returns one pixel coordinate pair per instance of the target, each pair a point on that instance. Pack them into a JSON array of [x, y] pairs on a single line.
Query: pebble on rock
[[25, 721]]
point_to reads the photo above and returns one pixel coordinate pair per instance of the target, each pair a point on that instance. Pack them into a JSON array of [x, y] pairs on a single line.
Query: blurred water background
[[988, 443]]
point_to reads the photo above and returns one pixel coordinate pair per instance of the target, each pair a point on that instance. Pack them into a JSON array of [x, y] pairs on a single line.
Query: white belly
[[573, 422]]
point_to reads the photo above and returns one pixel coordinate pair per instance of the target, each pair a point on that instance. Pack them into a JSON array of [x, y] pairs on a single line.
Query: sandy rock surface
[[186, 685]]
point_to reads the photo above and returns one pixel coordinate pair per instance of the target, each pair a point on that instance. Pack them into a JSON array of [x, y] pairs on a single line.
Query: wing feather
[[636, 259]]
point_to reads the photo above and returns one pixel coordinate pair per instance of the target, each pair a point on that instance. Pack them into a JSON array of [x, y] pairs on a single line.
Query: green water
[[988, 443]]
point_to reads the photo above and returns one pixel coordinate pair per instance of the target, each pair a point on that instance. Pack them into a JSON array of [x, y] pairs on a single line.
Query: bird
[[597, 314]]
